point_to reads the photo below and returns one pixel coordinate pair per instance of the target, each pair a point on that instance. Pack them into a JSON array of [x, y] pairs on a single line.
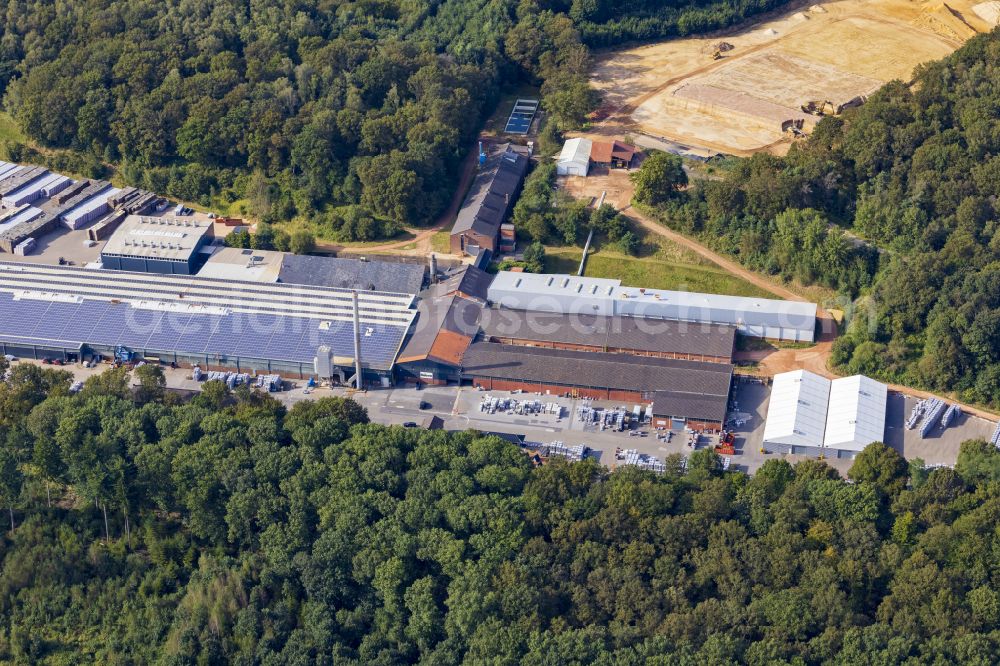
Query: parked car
[[410, 424]]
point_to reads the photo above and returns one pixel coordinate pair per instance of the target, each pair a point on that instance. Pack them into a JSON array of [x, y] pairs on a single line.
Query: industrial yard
[[567, 366], [733, 92]]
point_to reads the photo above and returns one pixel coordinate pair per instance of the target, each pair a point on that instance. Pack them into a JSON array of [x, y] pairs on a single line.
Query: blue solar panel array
[[520, 118], [260, 336]]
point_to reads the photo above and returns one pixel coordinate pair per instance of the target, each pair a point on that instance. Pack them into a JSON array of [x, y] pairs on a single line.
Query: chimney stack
[[433, 268]]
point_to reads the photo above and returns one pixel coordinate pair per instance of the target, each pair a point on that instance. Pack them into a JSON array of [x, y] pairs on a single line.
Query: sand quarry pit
[[833, 51]]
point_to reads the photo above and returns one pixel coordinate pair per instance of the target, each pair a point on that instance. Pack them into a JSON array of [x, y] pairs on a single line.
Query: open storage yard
[[834, 52]]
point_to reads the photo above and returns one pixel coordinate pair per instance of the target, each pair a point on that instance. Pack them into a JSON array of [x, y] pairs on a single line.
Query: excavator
[[820, 108]]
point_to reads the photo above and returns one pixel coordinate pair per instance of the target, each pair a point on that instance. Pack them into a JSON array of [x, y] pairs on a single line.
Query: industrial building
[[574, 159], [796, 415], [69, 313], [684, 389], [232, 263], [435, 351], [490, 201], [856, 415], [37, 201], [612, 154], [566, 294], [169, 245], [812, 415], [661, 338], [578, 155]]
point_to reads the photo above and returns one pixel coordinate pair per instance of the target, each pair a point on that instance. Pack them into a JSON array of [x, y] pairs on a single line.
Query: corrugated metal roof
[[683, 405], [576, 151], [856, 414], [763, 317], [469, 280], [444, 328]]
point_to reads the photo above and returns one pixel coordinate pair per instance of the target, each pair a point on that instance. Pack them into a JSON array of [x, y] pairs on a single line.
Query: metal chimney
[[357, 341], [433, 268]]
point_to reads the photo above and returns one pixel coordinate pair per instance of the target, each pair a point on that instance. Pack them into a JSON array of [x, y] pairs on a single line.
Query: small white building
[[856, 415], [574, 160], [796, 414]]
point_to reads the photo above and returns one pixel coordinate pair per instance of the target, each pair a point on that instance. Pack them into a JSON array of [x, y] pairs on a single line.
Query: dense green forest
[[609, 22], [916, 173], [354, 115], [227, 529]]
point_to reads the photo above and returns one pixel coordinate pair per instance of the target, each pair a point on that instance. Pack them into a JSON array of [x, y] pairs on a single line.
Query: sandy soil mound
[[988, 11], [947, 22]]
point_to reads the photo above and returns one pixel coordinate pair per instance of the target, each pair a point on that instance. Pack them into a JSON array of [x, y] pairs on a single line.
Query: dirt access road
[[814, 359]]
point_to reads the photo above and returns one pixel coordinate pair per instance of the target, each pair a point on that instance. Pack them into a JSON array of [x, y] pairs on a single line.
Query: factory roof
[[172, 238], [856, 414], [762, 317], [62, 305], [690, 406], [535, 285], [546, 283], [182, 291], [796, 414], [597, 370], [235, 263], [443, 330], [467, 280], [492, 192], [375, 275], [624, 333]]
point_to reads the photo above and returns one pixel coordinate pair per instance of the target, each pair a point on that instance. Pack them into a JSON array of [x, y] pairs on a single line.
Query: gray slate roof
[[492, 193], [687, 406], [386, 276], [706, 382], [469, 280], [629, 333]]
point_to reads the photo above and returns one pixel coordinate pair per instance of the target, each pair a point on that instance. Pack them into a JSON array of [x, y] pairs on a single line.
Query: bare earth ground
[[833, 51]]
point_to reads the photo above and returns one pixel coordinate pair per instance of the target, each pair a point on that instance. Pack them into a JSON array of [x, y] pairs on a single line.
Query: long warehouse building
[[567, 294], [690, 391], [69, 313]]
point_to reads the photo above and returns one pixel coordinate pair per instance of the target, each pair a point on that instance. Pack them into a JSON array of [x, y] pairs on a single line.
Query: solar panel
[[110, 327], [521, 116], [193, 338], [140, 325], [84, 321], [260, 336]]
